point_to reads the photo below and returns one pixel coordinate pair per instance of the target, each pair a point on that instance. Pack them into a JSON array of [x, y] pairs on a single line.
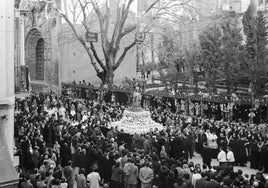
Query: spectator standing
[[41, 182], [206, 155], [68, 173], [222, 158], [230, 159], [196, 176], [146, 175], [36, 157], [251, 116], [201, 183], [117, 176], [131, 174], [81, 179], [26, 183], [147, 145], [94, 179], [212, 183]]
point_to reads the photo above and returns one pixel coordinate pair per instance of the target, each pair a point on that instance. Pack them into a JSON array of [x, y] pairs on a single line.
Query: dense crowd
[[232, 108], [64, 141]]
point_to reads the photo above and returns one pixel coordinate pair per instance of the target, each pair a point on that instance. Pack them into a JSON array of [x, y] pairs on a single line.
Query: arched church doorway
[[40, 59], [34, 57]]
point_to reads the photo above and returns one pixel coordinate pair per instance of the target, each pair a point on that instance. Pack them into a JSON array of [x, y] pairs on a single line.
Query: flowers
[[138, 122], [140, 113]]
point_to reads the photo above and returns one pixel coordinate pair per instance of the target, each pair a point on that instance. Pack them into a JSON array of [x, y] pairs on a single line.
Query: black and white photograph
[[133, 93]]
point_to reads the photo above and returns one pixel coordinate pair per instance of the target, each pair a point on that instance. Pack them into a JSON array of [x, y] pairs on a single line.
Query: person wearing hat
[[146, 175]]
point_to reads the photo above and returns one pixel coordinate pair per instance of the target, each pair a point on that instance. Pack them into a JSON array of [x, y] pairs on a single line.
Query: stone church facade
[[41, 51]]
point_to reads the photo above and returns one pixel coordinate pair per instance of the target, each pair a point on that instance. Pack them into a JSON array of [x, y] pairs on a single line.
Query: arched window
[[40, 59]]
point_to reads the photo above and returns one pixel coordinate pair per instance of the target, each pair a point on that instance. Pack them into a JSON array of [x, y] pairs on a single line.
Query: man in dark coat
[[263, 156], [65, 154], [81, 179], [68, 173], [206, 155], [212, 183], [36, 157], [177, 146], [254, 154], [242, 154], [201, 183], [26, 183]]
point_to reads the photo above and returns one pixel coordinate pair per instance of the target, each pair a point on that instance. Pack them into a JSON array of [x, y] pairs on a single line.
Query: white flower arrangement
[[138, 122]]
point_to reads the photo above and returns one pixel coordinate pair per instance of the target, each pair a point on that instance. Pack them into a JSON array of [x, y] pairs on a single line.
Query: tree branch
[[84, 23], [104, 36], [128, 30], [124, 15], [92, 47], [117, 22], [107, 17], [120, 60], [80, 40], [151, 6], [65, 8]]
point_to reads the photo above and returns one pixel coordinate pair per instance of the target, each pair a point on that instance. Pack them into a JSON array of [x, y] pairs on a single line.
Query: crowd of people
[[230, 109], [64, 141]]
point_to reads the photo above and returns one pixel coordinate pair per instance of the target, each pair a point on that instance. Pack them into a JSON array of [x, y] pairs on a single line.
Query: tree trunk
[[228, 85], [110, 77], [214, 89], [208, 80], [102, 76]]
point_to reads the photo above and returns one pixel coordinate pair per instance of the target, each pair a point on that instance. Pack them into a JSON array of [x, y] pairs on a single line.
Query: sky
[[133, 7]]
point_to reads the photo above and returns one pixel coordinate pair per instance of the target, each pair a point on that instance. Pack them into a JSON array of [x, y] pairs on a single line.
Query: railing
[[22, 79], [184, 95]]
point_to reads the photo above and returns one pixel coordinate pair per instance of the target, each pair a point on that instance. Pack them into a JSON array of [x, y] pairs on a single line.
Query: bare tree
[[110, 44]]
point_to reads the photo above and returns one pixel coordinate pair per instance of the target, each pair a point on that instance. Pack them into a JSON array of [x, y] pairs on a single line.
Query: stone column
[[22, 39]]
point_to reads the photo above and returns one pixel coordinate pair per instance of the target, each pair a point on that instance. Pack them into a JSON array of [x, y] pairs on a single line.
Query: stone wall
[[76, 64], [42, 24]]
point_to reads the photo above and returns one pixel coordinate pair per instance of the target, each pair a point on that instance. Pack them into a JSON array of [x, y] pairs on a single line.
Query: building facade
[[37, 51], [8, 175]]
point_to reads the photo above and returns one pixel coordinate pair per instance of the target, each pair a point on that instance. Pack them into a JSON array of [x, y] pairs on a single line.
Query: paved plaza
[[246, 170]]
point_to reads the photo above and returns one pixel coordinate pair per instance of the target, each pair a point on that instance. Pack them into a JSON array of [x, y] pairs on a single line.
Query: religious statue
[[33, 16], [136, 98]]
